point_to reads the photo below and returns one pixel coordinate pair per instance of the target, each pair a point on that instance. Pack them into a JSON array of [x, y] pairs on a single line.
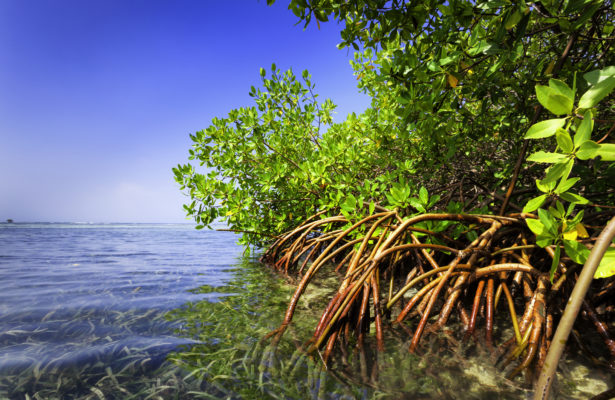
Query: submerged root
[[412, 274]]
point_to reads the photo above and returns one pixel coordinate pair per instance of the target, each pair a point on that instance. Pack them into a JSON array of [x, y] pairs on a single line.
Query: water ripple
[[94, 297]]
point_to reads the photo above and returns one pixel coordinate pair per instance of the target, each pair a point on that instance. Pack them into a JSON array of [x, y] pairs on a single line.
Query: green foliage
[[456, 72], [554, 227], [262, 163], [271, 165], [606, 267], [557, 97], [454, 86]]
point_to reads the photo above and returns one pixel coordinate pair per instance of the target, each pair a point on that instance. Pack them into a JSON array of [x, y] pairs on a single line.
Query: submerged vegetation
[[467, 197], [94, 363], [231, 361]]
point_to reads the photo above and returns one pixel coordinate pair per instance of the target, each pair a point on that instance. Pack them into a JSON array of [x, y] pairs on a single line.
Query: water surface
[[81, 300], [136, 311]]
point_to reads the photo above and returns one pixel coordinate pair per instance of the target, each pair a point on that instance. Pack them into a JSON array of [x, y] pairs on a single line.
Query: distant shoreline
[[190, 225]]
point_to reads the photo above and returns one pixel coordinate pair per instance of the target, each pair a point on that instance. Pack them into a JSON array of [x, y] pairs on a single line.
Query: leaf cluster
[[556, 226]]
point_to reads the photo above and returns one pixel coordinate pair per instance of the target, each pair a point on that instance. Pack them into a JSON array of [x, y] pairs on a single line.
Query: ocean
[[83, 301]]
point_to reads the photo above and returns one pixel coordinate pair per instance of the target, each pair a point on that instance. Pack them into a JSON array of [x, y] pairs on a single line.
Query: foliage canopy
[[455, 86]]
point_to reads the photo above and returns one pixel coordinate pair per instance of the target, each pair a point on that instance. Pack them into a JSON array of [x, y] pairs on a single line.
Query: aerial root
[[412, 273]]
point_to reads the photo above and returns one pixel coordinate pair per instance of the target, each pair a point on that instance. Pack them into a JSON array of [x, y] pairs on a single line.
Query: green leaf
[[433, 200], [550, 224], [588, 149], [545, 187], [606, 267], [606, 151], [597, 75], [560, 210], [433, 66], [349, 204], [423, 195], [584, 130], [557, 171], [564, 141], [544, 240], [544, 157], [562, 88], [553, 100], [534, 203], [577, 218], [449, 59], [414, 202], [395, 194], [576, 251], [566, 184], [535, 226], [587, 13], [573, 198], [392, 201], [545, 129], [321, 15], [597, 92], [513, 20], [555, 262]]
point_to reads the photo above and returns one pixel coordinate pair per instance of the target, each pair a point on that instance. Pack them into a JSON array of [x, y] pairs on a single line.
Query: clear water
[[136, 311], [94, 297]]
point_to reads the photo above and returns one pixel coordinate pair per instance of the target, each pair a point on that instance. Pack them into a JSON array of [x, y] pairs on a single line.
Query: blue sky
[[98, 97]]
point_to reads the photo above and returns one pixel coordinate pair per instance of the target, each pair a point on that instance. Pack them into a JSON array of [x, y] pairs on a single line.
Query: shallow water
[[139, 311], [91, 297]]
